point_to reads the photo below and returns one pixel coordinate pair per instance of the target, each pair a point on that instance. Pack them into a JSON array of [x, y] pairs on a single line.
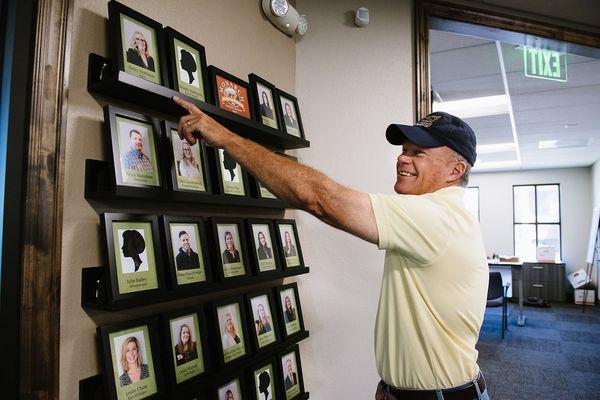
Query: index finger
[[191, 108]]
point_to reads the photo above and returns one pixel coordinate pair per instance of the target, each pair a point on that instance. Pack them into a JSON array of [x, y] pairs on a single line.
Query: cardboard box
[[578, 278], [589, 294]]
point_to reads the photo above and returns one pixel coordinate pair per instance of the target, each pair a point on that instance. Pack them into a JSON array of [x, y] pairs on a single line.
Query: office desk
[[518, 267]]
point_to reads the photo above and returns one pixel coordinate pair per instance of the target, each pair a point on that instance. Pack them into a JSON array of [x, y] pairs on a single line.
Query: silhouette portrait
[[133, 246], [188, 64], [264, 383], [229, 164]]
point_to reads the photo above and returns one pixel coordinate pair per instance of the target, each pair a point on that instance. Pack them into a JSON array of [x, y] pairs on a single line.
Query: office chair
[[496, 297]]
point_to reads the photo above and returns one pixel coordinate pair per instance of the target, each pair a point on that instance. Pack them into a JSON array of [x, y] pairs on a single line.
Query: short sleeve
[[414, 226]]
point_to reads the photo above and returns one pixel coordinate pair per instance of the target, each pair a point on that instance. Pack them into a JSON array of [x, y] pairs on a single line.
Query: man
[[135, 158], [290, 376], [435, 275], [186, 258]]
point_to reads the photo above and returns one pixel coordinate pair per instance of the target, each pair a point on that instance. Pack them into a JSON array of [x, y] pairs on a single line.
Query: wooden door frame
[[432, 8]]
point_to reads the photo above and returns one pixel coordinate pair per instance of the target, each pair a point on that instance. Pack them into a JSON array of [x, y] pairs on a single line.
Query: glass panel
[[549, 236], [472, 200], [524, 201], [547, 203], [525, 242]]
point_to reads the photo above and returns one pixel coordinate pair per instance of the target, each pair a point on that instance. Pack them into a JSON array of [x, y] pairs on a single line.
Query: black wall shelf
[[98, 185], [91, 388], [105, 81], [94, 297]]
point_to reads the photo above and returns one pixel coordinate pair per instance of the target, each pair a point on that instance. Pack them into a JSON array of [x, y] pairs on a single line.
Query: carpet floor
[[555, 356]]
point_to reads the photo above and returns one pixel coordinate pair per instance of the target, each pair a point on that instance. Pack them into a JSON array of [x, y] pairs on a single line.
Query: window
[[472, 200], [536, 219]]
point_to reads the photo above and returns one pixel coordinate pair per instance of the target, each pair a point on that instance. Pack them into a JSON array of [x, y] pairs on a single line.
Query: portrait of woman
[[264, 384], [263, 250], [138, 52], [230, 254], [289, 312], [262, 323], [133, 246], [185, 349], [188, 166], [288, 246], [132, 362], [265, 105], [230, 336], [290, 118], [229, 395]]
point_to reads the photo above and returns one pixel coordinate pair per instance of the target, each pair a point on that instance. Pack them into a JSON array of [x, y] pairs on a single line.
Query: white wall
[[596, 183], [496, 213], [352, 82]]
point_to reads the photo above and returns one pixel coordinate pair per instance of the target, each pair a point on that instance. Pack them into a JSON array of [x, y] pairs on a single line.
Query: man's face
[[422, 170], [185, 242], [136, 141]]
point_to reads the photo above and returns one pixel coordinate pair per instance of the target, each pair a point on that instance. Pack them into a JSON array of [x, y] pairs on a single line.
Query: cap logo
[[427, 121]]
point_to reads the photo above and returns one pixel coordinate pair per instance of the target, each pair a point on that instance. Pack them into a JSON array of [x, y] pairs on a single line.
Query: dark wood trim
[[432, 8], [42, 236]]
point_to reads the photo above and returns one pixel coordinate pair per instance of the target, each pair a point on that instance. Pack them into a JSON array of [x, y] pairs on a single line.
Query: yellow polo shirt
[[433, 291]]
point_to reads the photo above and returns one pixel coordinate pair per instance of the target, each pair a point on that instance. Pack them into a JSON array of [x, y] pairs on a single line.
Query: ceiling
[[563, 116]]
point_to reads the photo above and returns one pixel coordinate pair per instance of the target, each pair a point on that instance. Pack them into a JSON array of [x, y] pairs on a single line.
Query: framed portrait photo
[[187, 65], [187, 341], [189, 164], [263, 96], [134, 144], [264, 377], [262, 246], [231, 258], [231, 387], [187, 251], [230, 93], [137, 45], [229, 327], [289, 244], [134, 254], [288, 302], [261, 306], [291, 373], [289, 113], [130, 358]]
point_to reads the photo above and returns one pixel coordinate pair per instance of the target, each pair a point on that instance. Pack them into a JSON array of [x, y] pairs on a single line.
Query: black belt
[[463, 392]]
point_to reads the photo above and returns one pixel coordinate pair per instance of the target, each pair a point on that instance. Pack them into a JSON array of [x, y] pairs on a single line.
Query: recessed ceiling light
[[547, 144], [474, 107], [570, 125], [495, 148]]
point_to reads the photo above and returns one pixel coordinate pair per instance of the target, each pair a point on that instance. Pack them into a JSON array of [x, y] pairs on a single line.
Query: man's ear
[[457, 171]]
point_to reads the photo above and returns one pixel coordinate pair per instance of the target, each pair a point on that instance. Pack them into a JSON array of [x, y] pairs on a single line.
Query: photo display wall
[[201, 348], [243, 346]]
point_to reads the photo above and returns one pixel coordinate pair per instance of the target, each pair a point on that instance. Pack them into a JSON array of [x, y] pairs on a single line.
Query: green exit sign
[[545, 64]]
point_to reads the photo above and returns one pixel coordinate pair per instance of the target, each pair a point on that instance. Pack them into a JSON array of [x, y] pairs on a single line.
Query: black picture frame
[[262, 264], [182, 276], [290, 128], [195, 61], [186, 369], [179, 182], [120, 126], [218, 390], [292, 322], [112, 341], [256, 383], [126, 23], [119, 285], [296, 391], [229, 353], [270, 116], [229, 271], [225, 172], [267, 335], [291, 256], [236, 90]]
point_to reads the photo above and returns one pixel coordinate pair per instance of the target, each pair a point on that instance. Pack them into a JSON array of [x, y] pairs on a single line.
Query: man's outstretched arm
[[298, 185]]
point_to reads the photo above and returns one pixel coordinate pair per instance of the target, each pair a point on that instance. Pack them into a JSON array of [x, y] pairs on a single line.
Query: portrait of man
[[291, 378], [136, 159], [186, 258]]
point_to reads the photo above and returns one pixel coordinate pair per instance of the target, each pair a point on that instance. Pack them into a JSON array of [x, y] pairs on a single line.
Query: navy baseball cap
[[436, 130]]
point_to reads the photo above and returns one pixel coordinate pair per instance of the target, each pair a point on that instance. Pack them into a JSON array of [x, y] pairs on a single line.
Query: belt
[[463, 392]]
